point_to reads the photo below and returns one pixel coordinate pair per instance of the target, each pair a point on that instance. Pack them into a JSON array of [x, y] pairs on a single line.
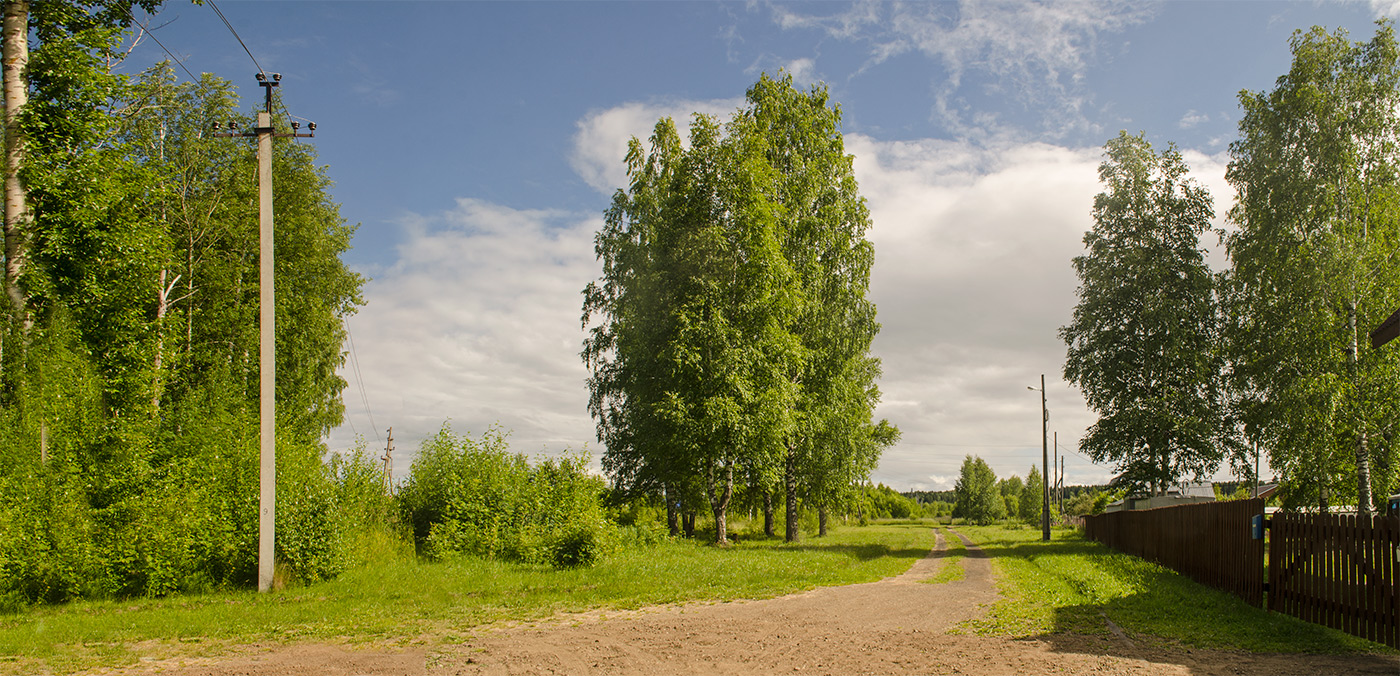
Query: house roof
[[1198, 491]]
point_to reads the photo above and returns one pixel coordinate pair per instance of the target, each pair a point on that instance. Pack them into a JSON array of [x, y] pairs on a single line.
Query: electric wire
[[236, 37], [360, 380], [151, 32], [1076, 454]]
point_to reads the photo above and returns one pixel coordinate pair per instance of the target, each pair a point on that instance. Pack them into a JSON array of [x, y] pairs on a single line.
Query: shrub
[[472, 496], [577, 547]]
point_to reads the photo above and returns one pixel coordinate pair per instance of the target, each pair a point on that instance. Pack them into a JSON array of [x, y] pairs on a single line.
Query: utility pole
[[1044, 463], [1256, 469], [267, 310], [389, 465], [1055, 462], [1061, 481]]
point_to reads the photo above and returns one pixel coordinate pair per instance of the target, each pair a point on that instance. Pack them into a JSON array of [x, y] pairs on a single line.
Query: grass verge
[[412, 602], [1071, 584], [952, 568]]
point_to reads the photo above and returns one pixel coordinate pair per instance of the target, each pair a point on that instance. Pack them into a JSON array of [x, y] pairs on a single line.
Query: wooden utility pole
[[267, 352], [1044, 463], [1061, 482], [389, 465]]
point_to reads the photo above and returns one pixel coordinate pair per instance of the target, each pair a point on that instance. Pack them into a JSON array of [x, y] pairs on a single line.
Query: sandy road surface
[[894, 626]]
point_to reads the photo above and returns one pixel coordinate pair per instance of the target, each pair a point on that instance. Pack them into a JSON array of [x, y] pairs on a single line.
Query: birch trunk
[[768, 512], [1363, 455], [790, 488], [15, 55]]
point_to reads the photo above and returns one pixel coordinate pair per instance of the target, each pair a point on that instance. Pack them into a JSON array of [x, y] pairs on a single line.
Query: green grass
[[952, 568], [1070, 585], [410, 602]]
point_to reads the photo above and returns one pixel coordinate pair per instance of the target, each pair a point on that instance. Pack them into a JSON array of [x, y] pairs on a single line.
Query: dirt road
[[895, 626]]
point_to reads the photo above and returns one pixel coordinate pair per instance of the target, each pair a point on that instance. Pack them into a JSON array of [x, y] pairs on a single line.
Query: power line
[[172, 56], [1001, 446], [1076, 454], [355, 364], [235, 36]]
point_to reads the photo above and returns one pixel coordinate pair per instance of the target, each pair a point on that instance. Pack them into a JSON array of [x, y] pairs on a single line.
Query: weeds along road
[[898, 625]]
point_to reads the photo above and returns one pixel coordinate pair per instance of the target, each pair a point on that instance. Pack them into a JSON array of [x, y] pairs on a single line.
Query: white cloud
[[1034, 54], [600, 146], [1390, 8], [1191, 119], [804, 71], [973, 280], [477, 322]]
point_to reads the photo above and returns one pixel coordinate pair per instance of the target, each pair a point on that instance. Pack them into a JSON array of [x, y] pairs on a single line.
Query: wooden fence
[[1338, 571], [1209, 542]]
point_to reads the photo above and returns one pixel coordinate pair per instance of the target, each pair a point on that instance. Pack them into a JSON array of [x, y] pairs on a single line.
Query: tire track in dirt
[[897, 625]]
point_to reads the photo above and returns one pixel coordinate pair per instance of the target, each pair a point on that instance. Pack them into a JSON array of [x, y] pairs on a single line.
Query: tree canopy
[[977, 497], [1144, 344], [1313, 266], [732, 327]]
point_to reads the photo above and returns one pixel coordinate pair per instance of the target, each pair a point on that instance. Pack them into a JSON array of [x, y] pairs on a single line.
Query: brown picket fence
[[1209, 542], [1337, 570]]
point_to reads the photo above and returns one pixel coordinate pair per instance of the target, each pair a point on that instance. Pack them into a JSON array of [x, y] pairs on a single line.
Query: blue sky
[[478, 143]]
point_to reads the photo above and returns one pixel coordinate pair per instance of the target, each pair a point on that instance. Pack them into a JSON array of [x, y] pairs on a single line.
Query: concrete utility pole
[[267, 353]]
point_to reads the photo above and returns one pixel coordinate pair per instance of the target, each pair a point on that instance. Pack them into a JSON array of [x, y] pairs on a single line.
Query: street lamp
[[1044, 464]]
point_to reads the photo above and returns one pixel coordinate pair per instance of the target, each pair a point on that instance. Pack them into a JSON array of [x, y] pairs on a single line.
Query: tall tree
[[139, 399], [689, 385], [822, 224], [976, 497], [15, 54], [734, 317], [1032, 497], [83, 35], [1313, 264], [1144, 344]]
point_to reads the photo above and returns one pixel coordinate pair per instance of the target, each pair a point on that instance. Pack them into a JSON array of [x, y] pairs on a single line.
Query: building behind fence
[[1334, 570]]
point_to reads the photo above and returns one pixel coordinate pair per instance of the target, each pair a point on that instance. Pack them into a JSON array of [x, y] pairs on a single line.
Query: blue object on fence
[[1257, 526]]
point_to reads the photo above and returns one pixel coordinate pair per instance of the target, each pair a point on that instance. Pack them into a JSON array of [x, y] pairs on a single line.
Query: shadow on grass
[[1138, 610]]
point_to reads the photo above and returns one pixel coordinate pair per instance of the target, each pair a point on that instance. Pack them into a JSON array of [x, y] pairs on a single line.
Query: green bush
[[472, 496], [577, 547]]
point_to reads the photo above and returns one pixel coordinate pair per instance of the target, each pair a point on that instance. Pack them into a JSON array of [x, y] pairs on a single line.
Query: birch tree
[[694, 296], [822, 224], [1313, 265], [1144, 344]]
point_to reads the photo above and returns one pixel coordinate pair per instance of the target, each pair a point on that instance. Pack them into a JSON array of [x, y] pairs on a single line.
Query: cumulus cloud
[[600, 145], [972, 279], [1033, 54], [477, 322]]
